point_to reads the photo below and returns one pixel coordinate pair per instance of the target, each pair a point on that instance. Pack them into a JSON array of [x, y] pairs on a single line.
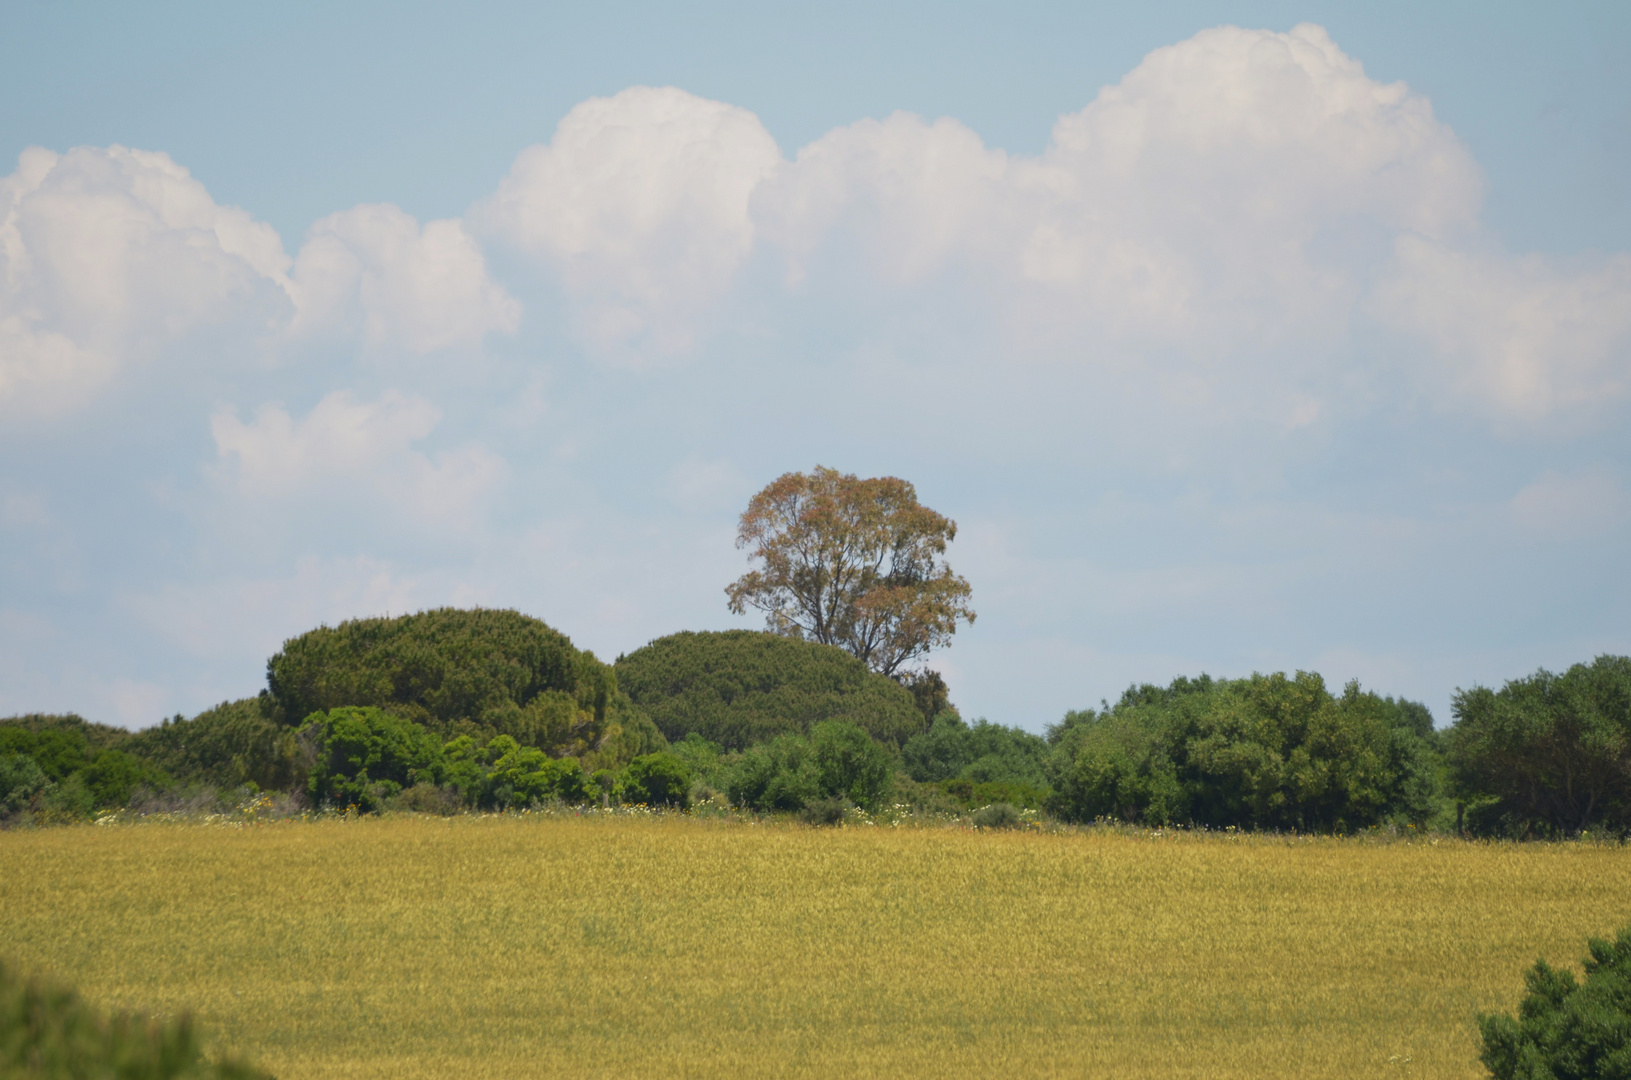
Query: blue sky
[[1235, 336]]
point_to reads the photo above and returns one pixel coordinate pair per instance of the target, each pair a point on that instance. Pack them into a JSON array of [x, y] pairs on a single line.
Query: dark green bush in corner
[[742, 687], [49, 1033], [1547, 753], [1567, 1030]]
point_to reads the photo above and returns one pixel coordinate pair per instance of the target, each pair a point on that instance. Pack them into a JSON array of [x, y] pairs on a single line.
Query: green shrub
[[998, 815], [984, 754], [21, 779], [1266, 752], [85, 765], [525, 775], [849, 764], [1567, 1030], [825, 811], [479, 672], [781, 774], [58, 751], [234, 743], [739, 688], [660, 779], [365, 756], [1547, 753], [49, 1033]]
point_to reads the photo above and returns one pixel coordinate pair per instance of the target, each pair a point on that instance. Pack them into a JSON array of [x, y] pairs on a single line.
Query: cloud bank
[[1238, 194]]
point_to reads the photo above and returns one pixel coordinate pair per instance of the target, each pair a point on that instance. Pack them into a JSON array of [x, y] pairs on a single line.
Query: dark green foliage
[[49, 1033], [825, 811], [83, 765], [743, 687], [525, 775], [781, 774], [21, 781], [837, 761], [983, 754], [481, 672], [235, 743], [58, 751], [94, 737], [114, 776], [660, 779], [365, 756], [1550, 752], [706, 760], [963, 793], [929, 693], [1266, 752], [1567, 1030], [849, 765], [999, 815]]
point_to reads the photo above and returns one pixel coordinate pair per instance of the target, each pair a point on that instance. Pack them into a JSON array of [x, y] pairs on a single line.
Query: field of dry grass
[[554, 946]]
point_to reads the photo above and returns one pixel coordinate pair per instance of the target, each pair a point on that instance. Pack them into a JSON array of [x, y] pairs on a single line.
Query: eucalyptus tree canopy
[[849, 562]]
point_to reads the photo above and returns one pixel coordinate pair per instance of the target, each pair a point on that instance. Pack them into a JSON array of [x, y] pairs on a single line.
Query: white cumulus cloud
[[373, 272], [1231, 187], [110, 255], [640, 203]]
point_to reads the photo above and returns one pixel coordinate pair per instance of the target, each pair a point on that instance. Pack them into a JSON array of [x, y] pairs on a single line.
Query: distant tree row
[[453, 709]]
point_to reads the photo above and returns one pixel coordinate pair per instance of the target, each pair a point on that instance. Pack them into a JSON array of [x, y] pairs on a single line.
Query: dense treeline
[[482, 709], [1267, 752]]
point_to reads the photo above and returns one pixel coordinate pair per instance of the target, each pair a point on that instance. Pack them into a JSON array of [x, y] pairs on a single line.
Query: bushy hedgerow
[[1548, 753], [50, 1033], [479, 672], [524, 775], [1266, 752], [234, 743], [837, 761], [1566, 1028], [739, 688], [364, 757], [65, 766], [983, 753], [661, 779]]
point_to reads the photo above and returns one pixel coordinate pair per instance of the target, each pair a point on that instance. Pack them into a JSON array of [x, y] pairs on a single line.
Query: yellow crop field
[[560, 946]]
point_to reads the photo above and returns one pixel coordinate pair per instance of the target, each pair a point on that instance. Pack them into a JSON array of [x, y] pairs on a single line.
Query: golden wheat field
[[560, 946]]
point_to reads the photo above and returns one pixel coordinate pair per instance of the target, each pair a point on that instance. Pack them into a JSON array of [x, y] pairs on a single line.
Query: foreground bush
[[1567, 1030], [1267, 752], [743, 687], [1549, 753], [49, 1033]]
